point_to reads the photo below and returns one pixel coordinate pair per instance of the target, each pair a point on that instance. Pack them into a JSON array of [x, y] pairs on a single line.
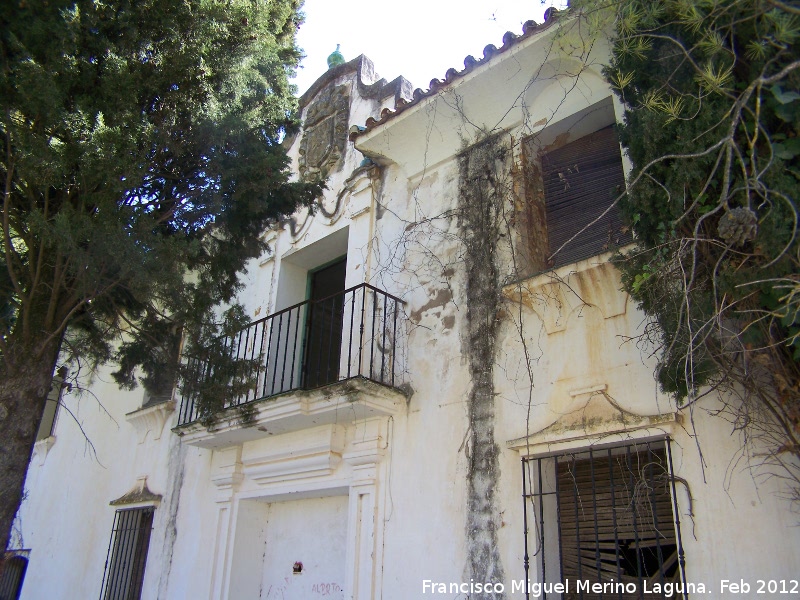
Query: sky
[[419, 39]]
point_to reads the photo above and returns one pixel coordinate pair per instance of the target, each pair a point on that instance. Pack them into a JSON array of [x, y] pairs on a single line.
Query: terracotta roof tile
[[470, 63]]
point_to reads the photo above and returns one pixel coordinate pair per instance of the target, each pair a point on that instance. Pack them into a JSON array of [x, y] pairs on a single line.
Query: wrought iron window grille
[[12, 574], [606, 516], [127, 554]]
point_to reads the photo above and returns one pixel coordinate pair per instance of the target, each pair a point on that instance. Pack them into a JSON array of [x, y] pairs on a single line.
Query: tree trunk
[[26, 374]]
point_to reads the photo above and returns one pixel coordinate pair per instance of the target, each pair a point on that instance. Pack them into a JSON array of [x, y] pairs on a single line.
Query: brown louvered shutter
[[581, 180], [616, 522]]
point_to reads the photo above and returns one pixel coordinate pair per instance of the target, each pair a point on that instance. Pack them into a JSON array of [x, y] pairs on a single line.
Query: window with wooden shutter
[[581, 180], [604, 516]]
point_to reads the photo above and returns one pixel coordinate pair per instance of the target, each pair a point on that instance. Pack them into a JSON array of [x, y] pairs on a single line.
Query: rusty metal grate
[[605, 516]]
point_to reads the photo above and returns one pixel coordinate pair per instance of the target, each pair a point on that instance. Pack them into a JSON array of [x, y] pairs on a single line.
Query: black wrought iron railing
[[350, 334]]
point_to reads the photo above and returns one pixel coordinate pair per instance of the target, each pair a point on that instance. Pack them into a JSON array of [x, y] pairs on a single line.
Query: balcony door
[[324, 325]]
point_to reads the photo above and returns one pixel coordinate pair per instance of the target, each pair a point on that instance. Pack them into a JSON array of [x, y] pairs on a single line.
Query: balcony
[[352, 336]]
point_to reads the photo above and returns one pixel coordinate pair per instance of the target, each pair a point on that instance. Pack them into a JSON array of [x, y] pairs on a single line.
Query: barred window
[[604, 516], [12, 574], [127, 554]]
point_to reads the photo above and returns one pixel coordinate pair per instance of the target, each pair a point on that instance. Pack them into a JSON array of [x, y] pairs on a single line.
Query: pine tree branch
[[785, 7]]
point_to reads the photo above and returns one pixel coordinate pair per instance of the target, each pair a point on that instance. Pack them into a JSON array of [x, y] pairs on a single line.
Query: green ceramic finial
[[336, 58]]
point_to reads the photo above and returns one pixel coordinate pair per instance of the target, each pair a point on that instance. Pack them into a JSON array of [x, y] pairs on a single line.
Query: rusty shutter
[[581, 180]]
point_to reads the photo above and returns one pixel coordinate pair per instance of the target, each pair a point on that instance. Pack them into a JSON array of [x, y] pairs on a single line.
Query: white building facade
[[445, 401]]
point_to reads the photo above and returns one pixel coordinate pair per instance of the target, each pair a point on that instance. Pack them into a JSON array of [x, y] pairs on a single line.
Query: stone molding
[[42, 447], [344, 402], [554, 295], [138, 495], [302, 455], [151, 418]]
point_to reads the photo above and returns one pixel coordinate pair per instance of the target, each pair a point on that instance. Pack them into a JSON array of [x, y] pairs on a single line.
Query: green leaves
[[640, 278], [712, 96], [788, 149], [715, 78], [620, 80], [141, 149], [786, 105], [782, 96]]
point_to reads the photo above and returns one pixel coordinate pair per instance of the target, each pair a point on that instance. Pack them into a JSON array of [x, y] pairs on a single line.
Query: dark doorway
[[324, 326]]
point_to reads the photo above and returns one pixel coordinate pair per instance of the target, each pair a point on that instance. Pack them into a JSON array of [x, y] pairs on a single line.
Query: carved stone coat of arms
[[324, 133]]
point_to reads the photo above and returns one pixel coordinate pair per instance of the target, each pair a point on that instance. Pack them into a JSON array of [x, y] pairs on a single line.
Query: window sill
[[554, 294]]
